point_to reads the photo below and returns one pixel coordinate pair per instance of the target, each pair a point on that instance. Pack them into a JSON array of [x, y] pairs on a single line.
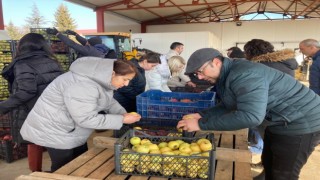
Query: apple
[[174, 100], [182, 171], [179, 141], [156, 158], [203, 173], [180, 130], [7, 137], [162, 144], [165, 149], [174, 145], [166, 170], [192, 174], [137, 128], [135, 140], [185, 100], [168, 158], [184, 145], [127, 168], [143, 168], [143, 149], [183, 160], [145, 141], [155, 167], [185, 149], [195, 147], [153, 147], [206, 146], [202, 140], [134, 113], [176, 152], [134, 148]]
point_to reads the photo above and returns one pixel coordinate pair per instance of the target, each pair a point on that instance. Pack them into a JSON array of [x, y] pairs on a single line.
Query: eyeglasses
[[200, 71]]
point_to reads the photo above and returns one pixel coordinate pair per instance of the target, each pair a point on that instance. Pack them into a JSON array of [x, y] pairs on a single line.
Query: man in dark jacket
[[250, 92], [311, 48], [91, 47]]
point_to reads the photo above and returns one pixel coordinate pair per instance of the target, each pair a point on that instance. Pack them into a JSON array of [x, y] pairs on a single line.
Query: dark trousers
[[60, 157], [284, 156], [35, 157]]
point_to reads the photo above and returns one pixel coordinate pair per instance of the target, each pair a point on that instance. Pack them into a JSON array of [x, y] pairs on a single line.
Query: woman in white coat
[[158, 77], [178, 79], [68, 110]]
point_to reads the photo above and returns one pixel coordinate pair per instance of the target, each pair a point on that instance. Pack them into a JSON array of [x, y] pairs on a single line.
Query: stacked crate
[[60, 50]]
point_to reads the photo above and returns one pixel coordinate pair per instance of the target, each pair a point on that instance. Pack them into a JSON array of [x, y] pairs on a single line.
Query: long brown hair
[[124, 67]]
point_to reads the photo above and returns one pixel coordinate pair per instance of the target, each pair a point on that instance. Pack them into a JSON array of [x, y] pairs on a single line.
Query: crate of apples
[[138, 153]]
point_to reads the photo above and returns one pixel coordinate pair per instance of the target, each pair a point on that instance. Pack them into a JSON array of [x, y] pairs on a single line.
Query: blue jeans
[[256, 141], [283, 156]]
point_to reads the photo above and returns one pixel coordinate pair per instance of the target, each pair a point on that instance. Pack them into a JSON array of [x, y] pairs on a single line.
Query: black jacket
[[126, 95], [27, 75], [99, 50]]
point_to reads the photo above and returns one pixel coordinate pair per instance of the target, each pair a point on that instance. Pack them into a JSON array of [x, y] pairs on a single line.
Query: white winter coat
[[158, 77], [67, 111]]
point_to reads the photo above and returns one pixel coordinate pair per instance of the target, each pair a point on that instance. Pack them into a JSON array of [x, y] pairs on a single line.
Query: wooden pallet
[[232, 154]]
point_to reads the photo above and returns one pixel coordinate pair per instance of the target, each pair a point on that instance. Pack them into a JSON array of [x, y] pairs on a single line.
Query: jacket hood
[[286, 57], [277, 56], [95, 68]]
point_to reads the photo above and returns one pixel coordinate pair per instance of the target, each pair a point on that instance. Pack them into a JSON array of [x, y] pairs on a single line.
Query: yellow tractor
[[120, 42]]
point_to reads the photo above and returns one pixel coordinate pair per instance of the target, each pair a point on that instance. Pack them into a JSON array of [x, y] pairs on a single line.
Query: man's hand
[[190, 122], [190, 83], [52, 31], [69, 32], [130, 118]]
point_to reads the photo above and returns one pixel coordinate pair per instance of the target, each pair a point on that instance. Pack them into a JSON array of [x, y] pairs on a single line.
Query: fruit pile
[[175, 158], [63, 59]]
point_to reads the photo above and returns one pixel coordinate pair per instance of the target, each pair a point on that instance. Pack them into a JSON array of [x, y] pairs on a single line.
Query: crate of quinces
[[139, 153]]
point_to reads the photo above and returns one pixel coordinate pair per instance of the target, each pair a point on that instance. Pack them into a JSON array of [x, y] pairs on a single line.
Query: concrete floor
[[9, 171]]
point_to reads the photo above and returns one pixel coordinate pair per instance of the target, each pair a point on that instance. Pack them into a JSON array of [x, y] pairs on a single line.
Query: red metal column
[[143, 27], [100, 19], [1, 17]]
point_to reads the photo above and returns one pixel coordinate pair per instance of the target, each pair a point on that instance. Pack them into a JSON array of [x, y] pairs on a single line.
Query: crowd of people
[[257, 90]]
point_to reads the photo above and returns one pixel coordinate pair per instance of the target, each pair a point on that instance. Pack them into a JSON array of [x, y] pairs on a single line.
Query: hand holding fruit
[[130, 118], [52, 31], [189, 125]]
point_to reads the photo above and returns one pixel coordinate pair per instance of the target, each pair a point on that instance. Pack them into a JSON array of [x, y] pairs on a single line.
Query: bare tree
[[35, 20]]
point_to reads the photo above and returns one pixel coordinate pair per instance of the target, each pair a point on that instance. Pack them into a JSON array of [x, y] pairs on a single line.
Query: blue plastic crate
[[158, 104]]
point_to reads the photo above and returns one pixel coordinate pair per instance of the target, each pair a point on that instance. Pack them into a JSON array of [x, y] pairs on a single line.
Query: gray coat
[[68, 110]]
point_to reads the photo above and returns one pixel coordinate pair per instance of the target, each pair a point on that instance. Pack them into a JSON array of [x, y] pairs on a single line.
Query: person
[[311, 48], [176, 49], [178, 79], [250, 92], [235, 53], [261, 51], [32, 69], [158, 77], [126, 96], [69, 109], [91, 47]]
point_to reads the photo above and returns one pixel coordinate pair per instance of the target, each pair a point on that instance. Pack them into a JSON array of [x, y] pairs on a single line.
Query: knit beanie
[[94, 40]]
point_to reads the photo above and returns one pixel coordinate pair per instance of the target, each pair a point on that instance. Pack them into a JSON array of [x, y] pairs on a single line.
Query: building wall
[[160, 42]]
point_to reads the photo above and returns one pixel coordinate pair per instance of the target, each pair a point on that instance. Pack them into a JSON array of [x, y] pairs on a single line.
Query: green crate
[[196, 166]]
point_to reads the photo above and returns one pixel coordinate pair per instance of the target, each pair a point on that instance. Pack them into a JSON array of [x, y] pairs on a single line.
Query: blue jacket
[[126, 95], [251, 91], [314, 76], [99, 50]]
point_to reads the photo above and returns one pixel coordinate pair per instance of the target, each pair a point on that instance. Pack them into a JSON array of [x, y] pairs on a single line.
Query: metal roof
[[152, 12]]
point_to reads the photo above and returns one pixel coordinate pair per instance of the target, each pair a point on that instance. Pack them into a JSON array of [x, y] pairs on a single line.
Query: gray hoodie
[[68, 110]]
